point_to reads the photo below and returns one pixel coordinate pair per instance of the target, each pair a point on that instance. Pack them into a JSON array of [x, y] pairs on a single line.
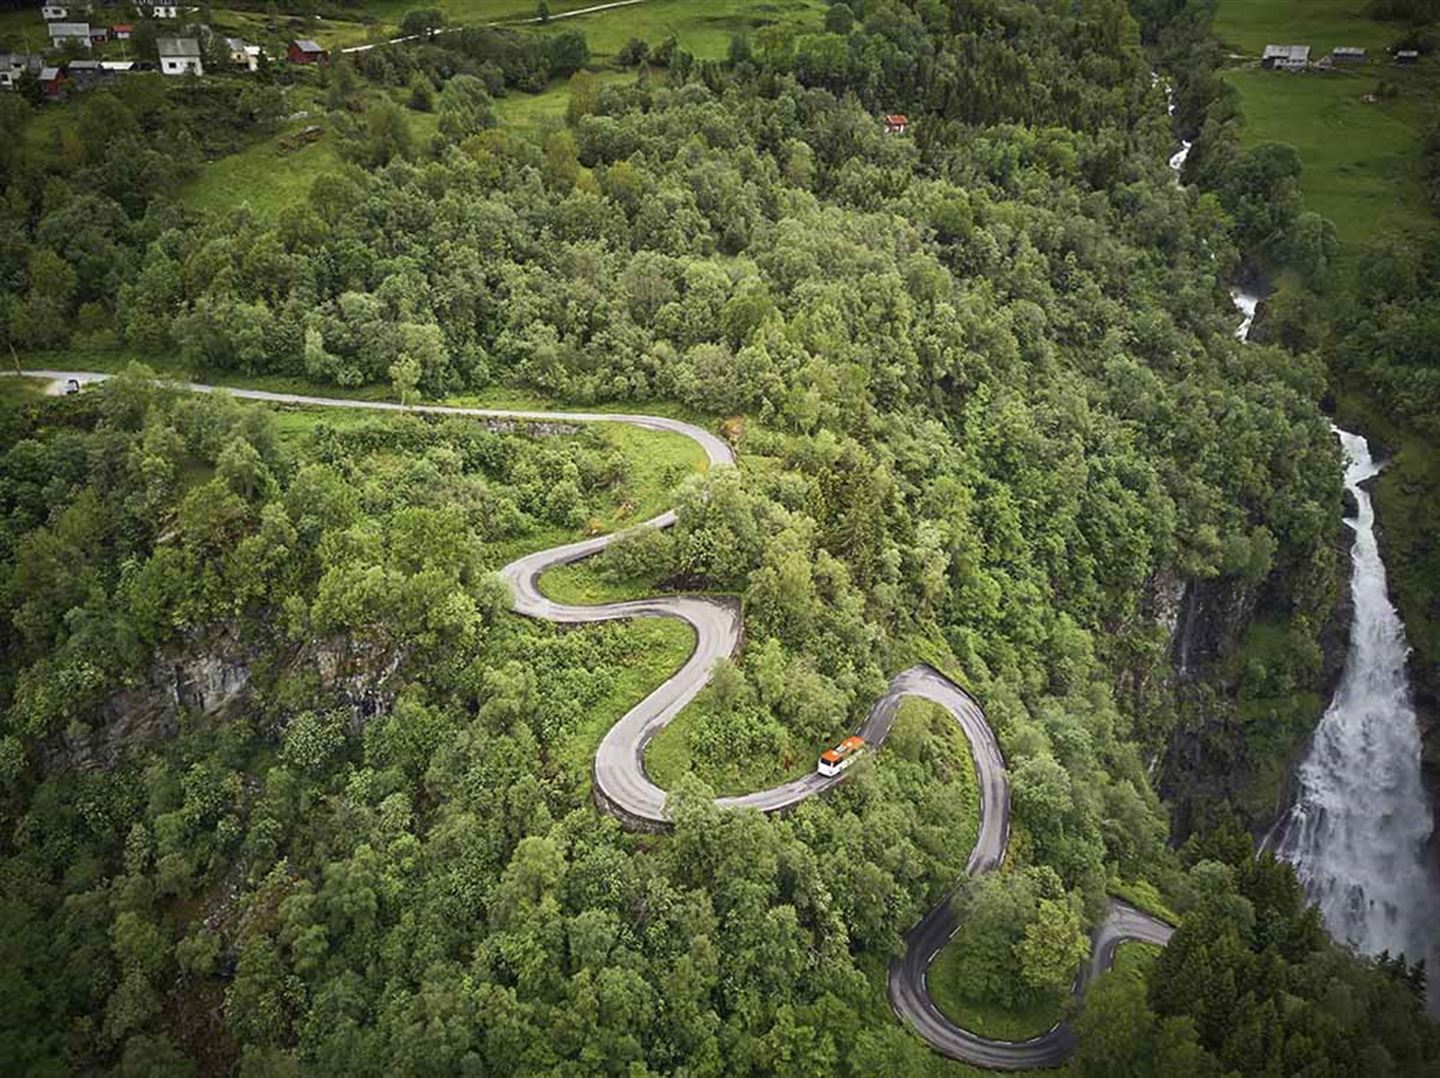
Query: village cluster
[[1297, 57], [78, 28]]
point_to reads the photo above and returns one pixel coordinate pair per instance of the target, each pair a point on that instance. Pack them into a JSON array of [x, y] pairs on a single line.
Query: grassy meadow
[[1361, 157], [703, 29], [1247, 26]]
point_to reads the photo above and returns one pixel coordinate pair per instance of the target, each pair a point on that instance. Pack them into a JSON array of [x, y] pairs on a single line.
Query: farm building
[[52, 81], [896, 123], [1347, 54], [1407, 56], [305, 51], [1286, 57]]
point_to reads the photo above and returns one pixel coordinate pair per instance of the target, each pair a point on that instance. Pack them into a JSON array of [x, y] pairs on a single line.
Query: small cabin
[[305, 51], [121, 31], [1406, 57], [896, 123], [1286, 57], [52, 82], [1347, 54]]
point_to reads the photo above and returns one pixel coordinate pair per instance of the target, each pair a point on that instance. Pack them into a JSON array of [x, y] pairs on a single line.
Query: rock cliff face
[[218, 679], [213, 682], [1211, 756], [1424, 673]]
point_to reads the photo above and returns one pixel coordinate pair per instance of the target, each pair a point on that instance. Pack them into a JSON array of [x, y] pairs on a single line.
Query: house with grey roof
[[63, 33], [1286, 57], [179, 56]]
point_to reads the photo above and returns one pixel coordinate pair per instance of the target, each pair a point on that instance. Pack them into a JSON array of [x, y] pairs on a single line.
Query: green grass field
[[268, 177], [702, 27], [1361, 158], [23, 30], [1249, 25], [532, 114], [263, 175]]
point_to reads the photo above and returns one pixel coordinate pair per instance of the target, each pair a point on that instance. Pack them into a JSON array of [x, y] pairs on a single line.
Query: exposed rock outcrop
[[218, 679]]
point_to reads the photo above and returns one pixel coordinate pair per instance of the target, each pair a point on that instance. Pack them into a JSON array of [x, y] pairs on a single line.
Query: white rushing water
[[1177, 159], [1358, 832], [1245, 303]]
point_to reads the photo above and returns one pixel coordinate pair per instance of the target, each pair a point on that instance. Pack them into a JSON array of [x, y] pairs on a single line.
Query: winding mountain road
[[622, 786]]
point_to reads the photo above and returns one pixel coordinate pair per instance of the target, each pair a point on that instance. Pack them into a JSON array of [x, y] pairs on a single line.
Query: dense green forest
[[286, 788]]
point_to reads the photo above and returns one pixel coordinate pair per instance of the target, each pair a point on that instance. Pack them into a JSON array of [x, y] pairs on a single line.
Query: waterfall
[[1358, 831], [1177, 159], [1245, 303]]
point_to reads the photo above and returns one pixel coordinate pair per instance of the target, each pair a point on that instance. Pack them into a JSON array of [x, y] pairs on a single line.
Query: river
[[1358, 830]]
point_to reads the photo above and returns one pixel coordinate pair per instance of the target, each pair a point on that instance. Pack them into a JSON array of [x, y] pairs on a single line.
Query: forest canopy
[[989, 411]]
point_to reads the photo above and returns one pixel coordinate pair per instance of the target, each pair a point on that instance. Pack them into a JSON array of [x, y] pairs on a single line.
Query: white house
[[62, 33], [60, 12], [179, 56], [1286, 57], [15, 64], [243, 55], [161, 11]]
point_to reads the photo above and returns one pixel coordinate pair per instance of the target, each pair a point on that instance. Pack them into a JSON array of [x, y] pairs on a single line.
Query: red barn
[[305, 51], [52, 81]]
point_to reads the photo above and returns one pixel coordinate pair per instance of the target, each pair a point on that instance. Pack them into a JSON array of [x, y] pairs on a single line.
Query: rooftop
[[304, 44], [178, 46]]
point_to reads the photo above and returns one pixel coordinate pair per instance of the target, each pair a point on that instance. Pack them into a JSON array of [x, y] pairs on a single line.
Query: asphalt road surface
[[623, 787]]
